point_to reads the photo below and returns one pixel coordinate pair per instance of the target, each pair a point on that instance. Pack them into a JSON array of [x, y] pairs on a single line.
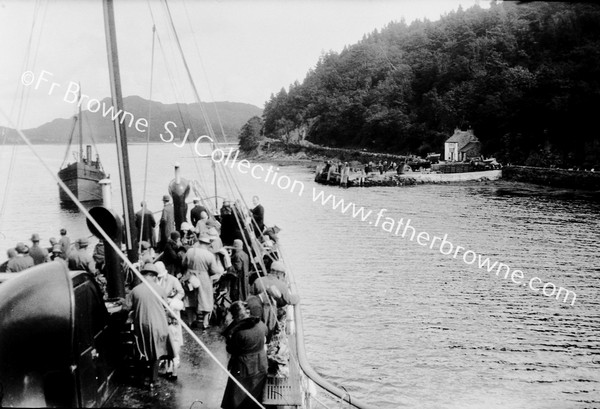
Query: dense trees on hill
[[525, 77]]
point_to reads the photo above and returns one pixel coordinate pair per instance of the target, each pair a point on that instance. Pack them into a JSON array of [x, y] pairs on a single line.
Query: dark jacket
[[149, 224], [248, 362]]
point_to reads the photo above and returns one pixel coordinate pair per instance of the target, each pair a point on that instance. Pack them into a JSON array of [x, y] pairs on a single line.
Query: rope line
[[126, 260]]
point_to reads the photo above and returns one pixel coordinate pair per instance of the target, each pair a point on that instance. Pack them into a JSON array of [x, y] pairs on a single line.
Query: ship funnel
[[179, 189]]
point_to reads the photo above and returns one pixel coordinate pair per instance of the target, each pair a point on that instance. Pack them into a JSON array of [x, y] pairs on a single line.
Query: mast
[[80, 128], [121, 136]]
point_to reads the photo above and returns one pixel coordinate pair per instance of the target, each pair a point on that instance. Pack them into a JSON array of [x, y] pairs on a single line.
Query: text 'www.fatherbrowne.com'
[[404, 229]]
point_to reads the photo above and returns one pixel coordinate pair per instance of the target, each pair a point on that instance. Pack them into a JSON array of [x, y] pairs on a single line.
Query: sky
[[237, 50]]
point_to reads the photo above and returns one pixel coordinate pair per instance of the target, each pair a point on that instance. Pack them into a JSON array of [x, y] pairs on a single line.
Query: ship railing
[[304, 387]]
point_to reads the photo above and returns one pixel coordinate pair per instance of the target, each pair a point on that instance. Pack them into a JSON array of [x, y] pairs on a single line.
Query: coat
[[248, 362], [258, 214], [202, 263], [149, 224], [149, 322], [167, 224], [195, 213]]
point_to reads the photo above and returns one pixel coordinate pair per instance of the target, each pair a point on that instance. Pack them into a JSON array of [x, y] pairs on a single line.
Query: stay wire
[[174, 88], [126, 260], [143, 218], [22, 101], [187, 14]]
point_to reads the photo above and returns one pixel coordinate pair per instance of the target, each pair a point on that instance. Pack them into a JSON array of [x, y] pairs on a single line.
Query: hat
[[57, 248], [196, 200], [213, 232], [149, 268], [53, 240], [186, 226], [63, 231], [144, 245], [83, 242], [21, 248], [175, 235], [237, 244], [205, 239], [277, 266], [166, 198], [35, 237], [160, 267]]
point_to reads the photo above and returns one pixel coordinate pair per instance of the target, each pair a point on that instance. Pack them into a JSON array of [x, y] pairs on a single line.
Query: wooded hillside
[[525, 77]]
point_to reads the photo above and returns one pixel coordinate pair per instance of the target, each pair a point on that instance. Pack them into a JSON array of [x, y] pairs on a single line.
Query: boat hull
[[82, 179]]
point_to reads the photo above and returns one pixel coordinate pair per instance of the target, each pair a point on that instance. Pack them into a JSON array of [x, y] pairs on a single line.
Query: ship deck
[[200, 381]]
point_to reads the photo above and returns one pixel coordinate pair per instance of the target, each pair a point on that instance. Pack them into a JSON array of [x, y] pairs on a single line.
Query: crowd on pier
[[215, 269]]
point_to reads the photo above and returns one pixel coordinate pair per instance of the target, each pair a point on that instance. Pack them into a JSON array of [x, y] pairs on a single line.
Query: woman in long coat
[[248, 363], [150, 321]]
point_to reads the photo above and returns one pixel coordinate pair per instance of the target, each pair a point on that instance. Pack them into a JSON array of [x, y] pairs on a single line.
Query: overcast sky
[[247, 49]]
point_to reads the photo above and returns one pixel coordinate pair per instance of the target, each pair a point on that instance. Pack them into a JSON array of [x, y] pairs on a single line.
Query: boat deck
[[200, 381]]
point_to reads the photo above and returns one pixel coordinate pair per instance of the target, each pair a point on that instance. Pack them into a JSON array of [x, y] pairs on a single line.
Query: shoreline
[[311, 156]]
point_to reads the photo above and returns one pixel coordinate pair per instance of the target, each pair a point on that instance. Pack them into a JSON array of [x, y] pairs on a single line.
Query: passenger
[[201, 269], [21, 261], [216, 244], [188, 238], [201, 224], [175, 295], [98, 256], [10, 254], [258, 214], [167, 222], [241, 267], [52, 241], [272, 232], [245, 337], [171, 256], [80, 259], [57, 254], [196, 211], [275, 286], [39, 254], [145, 217], [65, 244], [230, 229], [147, 254], [149, 322]]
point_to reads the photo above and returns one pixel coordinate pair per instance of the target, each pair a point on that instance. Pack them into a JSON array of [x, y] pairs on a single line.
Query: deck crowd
[[210, 266]]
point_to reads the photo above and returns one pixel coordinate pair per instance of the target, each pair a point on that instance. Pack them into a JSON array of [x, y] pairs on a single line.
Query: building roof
[[469, 146], [462, 138]]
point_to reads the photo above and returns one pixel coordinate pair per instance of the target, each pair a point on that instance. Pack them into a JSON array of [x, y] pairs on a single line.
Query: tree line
[[525, 77]]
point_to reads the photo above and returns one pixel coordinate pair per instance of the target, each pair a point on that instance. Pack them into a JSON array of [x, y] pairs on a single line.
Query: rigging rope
[[147, 143], [24, 91], [126, 260]]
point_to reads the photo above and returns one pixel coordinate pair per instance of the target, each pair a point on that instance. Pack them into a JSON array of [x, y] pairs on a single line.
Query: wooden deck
[[200, 382]]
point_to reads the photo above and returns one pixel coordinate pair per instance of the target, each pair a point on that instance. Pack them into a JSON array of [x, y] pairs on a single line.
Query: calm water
[[397, 324]]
